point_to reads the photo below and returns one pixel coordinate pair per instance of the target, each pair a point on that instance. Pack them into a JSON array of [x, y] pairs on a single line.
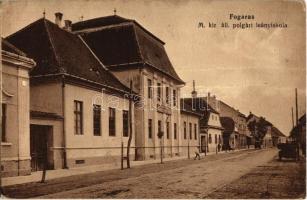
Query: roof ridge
[[138, 43], [50, 39]]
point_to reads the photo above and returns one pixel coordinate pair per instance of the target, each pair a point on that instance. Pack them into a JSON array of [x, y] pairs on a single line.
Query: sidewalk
[[60, 173]]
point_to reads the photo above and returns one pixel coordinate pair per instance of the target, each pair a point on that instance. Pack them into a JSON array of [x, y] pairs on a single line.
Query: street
[[211, 177]]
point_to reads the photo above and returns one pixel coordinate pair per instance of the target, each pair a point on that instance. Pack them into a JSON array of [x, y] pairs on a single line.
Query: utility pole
[[130, 125], [292, 117], [296, 107]]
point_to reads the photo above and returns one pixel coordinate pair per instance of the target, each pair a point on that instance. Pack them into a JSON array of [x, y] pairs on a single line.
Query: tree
[[258, 130]]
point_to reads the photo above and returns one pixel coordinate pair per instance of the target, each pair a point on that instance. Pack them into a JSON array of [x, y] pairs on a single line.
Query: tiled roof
[[58, 51], [6, 46], [119, 42]]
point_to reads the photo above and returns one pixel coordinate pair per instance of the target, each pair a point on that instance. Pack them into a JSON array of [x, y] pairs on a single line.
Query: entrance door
[[38, 146], [203, 143]]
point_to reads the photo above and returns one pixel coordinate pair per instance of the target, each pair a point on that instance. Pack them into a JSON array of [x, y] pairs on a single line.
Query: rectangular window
[[167, 95], [112, 122], [149, 83], [159, 126], [220, 139], [210, 139], [97, 119], [190, 130], [125, 123], [159, 91], [78, 111], [149, 128], [215, 139], [175, 131], [174, 97], [3, 139], [185, 130], [195, 131], [167, 130]]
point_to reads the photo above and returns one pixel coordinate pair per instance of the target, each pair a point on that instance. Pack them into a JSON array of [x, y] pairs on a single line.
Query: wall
[[15, 151], [214, 121], [192, 143], [92, 149]]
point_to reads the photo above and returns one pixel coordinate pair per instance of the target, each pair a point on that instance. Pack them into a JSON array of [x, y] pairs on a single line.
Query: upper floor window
[[149, 83], [3, 139], [149, 128], [174, 97], [78, 113], [97, 119], [112, 122], [125, 123], [167, 95], [159, 91]]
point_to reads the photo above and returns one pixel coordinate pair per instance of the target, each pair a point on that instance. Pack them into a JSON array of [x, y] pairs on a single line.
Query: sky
[[252, 69]]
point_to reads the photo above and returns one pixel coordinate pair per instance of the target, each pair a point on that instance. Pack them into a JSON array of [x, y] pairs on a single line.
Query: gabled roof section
[[276, 132], [119, 42], [59, 51], [200, 105]]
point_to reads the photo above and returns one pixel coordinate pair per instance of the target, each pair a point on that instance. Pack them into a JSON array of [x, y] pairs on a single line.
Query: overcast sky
[[251, 69]]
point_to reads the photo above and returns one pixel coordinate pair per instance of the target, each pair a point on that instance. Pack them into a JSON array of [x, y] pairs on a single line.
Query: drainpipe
[[64, 125]]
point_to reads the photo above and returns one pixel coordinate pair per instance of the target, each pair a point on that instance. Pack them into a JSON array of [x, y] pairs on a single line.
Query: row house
[[15, 99], [79, 111], [131, 52], [241, 135]]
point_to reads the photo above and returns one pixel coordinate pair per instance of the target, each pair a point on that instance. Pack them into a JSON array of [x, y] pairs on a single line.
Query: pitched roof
[[276, 132], [119, 42], [58, 51], [6, 46]]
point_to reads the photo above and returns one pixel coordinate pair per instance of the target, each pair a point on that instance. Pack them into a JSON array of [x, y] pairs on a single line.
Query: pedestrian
[[197, 153]]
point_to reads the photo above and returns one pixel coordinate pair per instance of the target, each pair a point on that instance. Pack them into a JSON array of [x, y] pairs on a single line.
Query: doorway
[[203, 143], [40, 141]]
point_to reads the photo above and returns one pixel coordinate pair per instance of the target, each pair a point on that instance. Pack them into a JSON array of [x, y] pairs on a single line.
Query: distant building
[[225, 110], [268, 139], [230, 133], [277, 136], [15, 151]]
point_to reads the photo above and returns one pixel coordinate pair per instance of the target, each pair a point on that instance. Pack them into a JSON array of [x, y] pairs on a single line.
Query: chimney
[[58, 18], [194, 93], [67, 25]]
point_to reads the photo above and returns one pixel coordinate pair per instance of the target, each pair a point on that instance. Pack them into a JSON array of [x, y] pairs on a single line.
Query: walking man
[[197, 155]]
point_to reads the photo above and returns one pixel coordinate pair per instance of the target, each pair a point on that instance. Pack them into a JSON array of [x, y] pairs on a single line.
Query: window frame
[[195, 131], [167, 130], [96, 111], [78, 130], [112, 122], [175, 131], [190, 130], [150, 128], [149, 88], [185, 130]]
